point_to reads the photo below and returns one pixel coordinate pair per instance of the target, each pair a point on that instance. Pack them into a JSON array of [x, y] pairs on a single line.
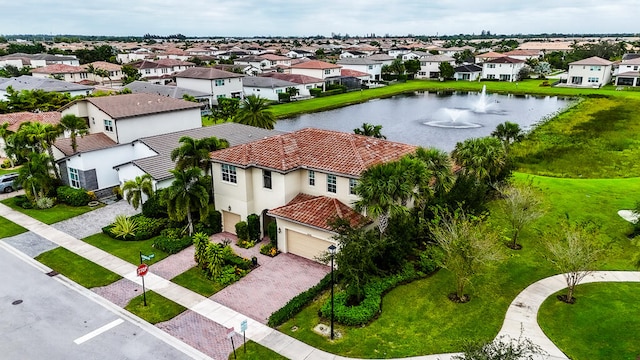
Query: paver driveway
[[271, 285]]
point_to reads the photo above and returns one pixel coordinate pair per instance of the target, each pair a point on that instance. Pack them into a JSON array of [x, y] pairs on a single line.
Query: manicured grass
[[523, 87], [595, 139], [158, 308], [418, 318], [49, 216], [602, 324], [9, 228], [255, 351], [126, 250], [195, 280], [77, 268], [7, 171]]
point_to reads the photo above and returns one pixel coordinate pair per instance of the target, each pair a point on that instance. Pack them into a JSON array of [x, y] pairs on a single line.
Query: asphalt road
[[43, 318]]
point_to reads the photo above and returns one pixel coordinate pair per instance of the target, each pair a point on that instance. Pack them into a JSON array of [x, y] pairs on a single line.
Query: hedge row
[[171, 245], [297, 303], [146, 228], [73, 197]]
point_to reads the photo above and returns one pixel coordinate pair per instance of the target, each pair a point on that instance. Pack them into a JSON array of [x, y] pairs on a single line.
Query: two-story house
[[590, 72], [217, 83], [629, 72], [304, 83], [153, 71], [502, 68], [430, 66], [303, 179], [318, 69], [266, 87], [365, 65], [26, 82], [68, 73], [113, 72]]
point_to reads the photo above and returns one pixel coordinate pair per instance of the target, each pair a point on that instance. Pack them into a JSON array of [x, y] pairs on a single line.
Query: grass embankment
[[77, 268], [531, 87], [50, 216], [603, 324], [9, 228], [595, 139], [255, 351], [126, 250], [195, 280], [419, 319], [158, 308]]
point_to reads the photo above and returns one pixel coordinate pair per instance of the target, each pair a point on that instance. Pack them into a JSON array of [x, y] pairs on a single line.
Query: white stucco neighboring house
[[628, 73], [18, 118], [302, 179], [502, 68], [303, 82], [365, 65], [467, 72], [266, 87], [217, 83], [317, 69], [590, 72], [430, 66], [26, 82], [63, 72]]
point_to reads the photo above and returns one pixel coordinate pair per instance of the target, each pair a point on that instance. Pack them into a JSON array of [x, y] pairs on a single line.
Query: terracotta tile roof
[[522, 52], [322, 150], [294, 78], [86, 143], [207, 73], [505, 60], [104, 66], [490, 54], [59, 69], [274, 57], [354, 73], [130, 105], [315, 64], [594, 60], [147, 64], [174, 62], [317, 211], [15, 119]]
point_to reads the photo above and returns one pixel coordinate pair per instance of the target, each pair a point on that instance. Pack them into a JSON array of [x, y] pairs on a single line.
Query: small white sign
[[243, 326]]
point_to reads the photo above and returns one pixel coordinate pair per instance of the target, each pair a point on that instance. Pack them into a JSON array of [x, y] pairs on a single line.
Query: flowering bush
[[245, 244], [269, 250]]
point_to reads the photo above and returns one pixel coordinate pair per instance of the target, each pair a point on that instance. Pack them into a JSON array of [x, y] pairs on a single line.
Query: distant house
[[258, 63], [175, 65], [298, 54], [468, 72], [114, 70], [318, 69], [590, 72], [350, 54], [21, 60], [266, 87], [216, 83], [502, 68], [62, 72], [398, 51], [629, 72], [26, 82], [16, 119], [153, 71], [383, 59], [365, 65], [430, 66], [488, 56], [175, 92], [414, 55], [276, 60], [304, 82], [524, 55]]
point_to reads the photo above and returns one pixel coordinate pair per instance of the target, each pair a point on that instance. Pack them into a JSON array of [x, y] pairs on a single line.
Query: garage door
[[305, 245], [229, 221]]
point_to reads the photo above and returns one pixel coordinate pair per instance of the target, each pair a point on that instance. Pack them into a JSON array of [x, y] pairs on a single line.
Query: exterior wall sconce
[[279, 230], [229, 207]]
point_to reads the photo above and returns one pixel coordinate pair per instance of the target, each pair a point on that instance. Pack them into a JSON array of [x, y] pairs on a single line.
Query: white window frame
[[219, 82], [108, 125], [229, 173], [267, 179], [74, 178], [332, 184], [312, 178], [352, 186]]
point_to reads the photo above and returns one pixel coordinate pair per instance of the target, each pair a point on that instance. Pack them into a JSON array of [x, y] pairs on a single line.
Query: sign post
[[243, 328], [230, 336], [142, 271]]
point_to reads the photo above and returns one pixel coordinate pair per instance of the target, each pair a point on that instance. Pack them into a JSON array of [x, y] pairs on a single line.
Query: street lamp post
[[332, 251]]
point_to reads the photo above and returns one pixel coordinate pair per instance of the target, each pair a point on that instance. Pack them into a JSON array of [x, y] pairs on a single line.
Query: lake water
[[434, 119]]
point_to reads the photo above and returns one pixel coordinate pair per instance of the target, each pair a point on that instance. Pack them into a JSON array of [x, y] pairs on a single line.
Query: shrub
[[296, 304], [171, 245], [430, 259], [73, 197], [203, 228], [315, 92], [6, 164], [284, 97], [272, 229], [253, 224], [231, 258], [269, 250], [371, 305], [19, 200], [200, 242], [173, 233], [148, 227], [45, 203], [215, 221], [117, 192], [154, 207], [26, 204], [242, 230], [124, 228], [245, 244]]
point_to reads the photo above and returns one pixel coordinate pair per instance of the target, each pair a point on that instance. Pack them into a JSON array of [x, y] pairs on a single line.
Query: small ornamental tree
[[521, 206], [200, 243], [253, 224], [242, 230]]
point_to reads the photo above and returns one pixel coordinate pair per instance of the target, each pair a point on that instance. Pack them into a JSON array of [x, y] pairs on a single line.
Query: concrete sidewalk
[[521, 315]]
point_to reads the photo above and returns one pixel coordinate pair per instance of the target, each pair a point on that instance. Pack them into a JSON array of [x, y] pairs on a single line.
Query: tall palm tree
[[370, 130], [187, 193], [75, 126], [4, 135], [134, 189], [254, 111], [34, 175], [195, 152], [438, 164], [485, 158], [42, 136]]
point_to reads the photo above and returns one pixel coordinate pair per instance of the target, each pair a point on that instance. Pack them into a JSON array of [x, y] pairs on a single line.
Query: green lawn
[[595, 139], [158, 308], [77, 268], [9, 228], [418, 318], [126, 250], [195, 280], [7, 171], [255, 351], [603, 324], [49, 216]]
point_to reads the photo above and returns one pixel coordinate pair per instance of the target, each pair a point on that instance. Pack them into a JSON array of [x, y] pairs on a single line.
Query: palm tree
[[254, 111], [42, 136], [187, 193], [485, 158], [508, 133], [4, 135], [103, 74], [34, 175], [438, 164], [195, 152], [370, 130], [75, 126], [134, 189]]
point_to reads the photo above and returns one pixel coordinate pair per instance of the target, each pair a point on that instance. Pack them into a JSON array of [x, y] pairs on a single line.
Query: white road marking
[[98, 331]]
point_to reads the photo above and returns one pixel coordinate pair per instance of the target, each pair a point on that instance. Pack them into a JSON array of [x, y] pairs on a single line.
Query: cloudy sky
[[312, 17]]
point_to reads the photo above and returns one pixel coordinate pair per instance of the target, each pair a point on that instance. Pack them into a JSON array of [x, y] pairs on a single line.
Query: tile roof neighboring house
[[266, 82], [15, 119], [631, 61], [59, 69], [380, 57], [522, 52], [147, 64], [104, 66], [158, 166], [46, 57], [274, 57], [315, 64], [26, 82], [490, 55], [174, 62], [207, 73], [317, 211], [294, 78], [131, 105], [322, 150], [353, 73], [505, 60], [164, 90], [91, 142], [594, 60], [357, 61], [437, 58]]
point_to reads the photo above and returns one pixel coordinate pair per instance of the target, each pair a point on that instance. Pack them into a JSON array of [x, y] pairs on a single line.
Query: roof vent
[[149, 102]]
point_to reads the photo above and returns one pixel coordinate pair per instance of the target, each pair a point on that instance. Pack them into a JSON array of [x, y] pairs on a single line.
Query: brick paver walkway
[[271, 285], [119, 292], [201, 333], [175, 264]]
